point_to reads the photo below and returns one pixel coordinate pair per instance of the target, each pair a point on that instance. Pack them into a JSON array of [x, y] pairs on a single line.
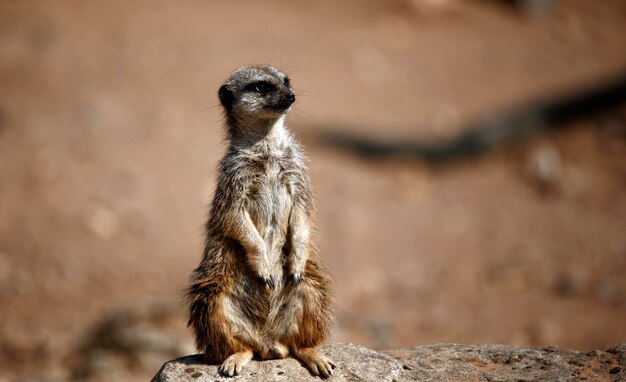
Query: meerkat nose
[[291, 97]]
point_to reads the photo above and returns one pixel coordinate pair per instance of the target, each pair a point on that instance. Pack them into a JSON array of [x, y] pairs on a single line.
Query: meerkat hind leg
[[234, 364], [317, 363]]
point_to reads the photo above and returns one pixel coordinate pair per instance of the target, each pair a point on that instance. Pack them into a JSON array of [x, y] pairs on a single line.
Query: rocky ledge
[[445, 362]]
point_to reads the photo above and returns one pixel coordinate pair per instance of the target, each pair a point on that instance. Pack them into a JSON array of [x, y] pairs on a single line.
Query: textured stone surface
[[446, 362], [500, 363]]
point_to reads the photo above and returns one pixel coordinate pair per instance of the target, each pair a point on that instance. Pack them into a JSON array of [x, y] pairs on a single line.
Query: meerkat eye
[[287, 82], [261, 87]]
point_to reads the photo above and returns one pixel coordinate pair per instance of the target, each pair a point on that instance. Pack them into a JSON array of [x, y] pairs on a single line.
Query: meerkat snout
[[290, 97]]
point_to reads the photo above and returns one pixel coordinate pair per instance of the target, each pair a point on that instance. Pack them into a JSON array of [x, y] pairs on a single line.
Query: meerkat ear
[[227, 98]]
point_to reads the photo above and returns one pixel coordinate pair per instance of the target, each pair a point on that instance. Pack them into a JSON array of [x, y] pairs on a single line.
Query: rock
[[447, 362], [354, 363], [503, 363]]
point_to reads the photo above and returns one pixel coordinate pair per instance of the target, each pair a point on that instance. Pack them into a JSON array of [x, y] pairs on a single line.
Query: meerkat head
[[261, 92]]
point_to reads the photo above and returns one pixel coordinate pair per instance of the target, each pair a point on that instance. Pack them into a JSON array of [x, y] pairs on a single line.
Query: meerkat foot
[[235, 363], [317, 363]]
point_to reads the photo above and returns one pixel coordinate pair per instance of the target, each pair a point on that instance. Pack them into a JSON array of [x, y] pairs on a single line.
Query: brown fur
[[260, 287]]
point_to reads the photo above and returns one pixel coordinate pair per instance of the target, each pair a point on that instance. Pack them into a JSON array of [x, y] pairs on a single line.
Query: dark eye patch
[[287, 82], [261, 87]]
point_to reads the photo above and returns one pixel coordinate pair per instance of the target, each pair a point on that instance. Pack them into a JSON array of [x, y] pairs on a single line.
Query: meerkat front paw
[[261, 266], [296, 272], [267, 278], [270, 282], [295, 278]]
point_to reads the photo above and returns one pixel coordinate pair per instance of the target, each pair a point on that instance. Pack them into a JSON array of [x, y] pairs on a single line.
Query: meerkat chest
[[271, 197]]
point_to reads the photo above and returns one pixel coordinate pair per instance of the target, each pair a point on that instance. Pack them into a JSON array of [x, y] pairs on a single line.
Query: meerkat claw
[[270, 282], [296, 279], [227, 371]]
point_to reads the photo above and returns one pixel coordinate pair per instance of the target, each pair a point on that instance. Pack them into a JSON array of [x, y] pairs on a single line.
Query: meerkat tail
[[207, 320]]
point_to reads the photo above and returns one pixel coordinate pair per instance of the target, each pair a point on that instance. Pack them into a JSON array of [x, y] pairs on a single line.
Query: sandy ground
[[110, 134]]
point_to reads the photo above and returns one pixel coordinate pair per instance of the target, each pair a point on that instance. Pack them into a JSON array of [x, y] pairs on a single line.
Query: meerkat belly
[[270, 207]]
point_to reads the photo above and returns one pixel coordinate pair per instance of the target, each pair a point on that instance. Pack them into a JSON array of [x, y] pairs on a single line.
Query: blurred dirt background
[[110, 134]]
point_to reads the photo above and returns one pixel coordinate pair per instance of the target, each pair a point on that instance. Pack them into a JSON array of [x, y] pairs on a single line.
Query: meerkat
[[260, 289]]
